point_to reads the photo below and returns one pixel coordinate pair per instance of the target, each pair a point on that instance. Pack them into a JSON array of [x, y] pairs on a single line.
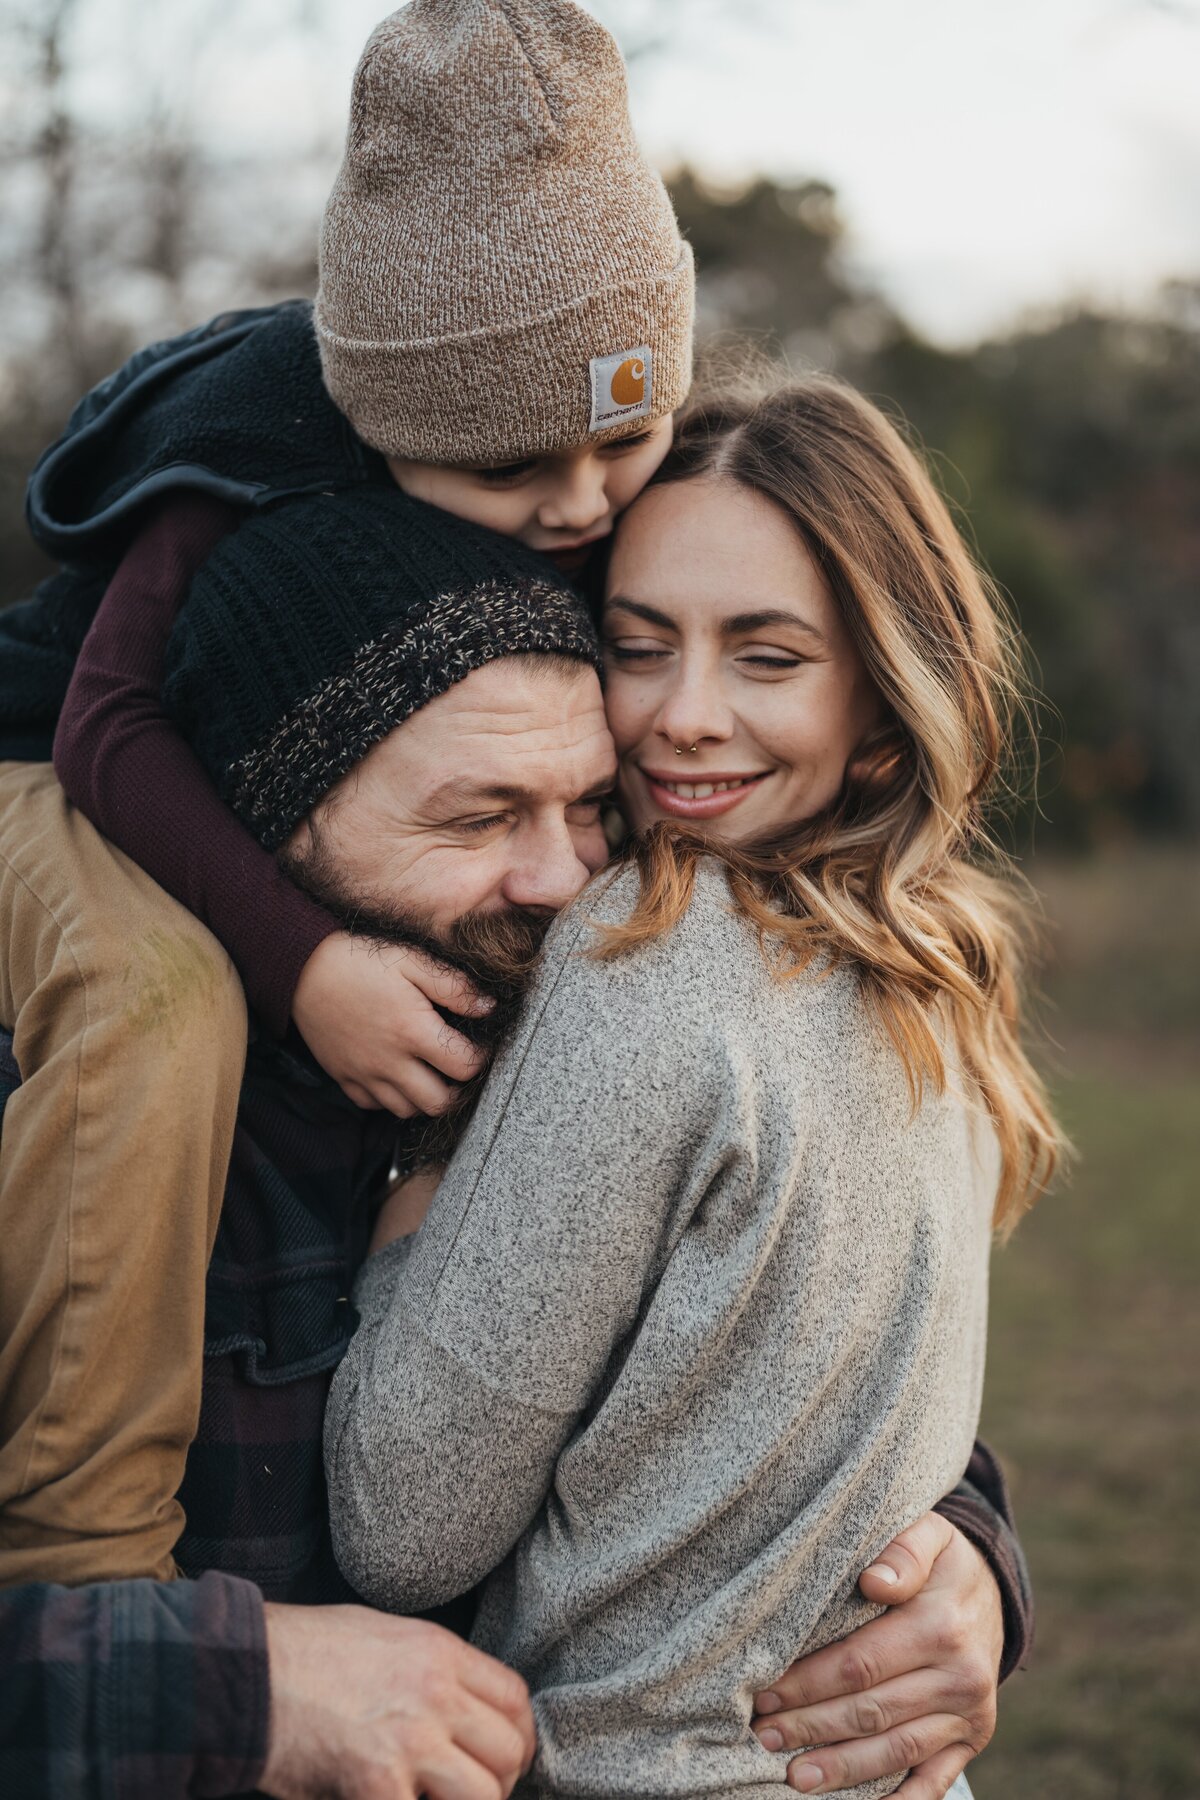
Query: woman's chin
[[721, 830]]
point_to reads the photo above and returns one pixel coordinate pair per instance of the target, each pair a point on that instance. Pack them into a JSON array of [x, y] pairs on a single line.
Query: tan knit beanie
[[502, 275]]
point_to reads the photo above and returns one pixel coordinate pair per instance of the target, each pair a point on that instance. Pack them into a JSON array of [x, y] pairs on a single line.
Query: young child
[[503, 328]]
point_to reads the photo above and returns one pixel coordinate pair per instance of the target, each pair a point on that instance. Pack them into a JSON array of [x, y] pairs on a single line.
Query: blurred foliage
[[1093, 1385], [1071, 449]]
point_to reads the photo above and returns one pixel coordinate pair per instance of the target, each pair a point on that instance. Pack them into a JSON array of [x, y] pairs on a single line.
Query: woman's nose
[[693, 712]]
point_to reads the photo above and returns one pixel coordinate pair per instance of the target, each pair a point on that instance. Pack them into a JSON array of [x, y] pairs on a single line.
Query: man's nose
[[548, 872], [577, 499]]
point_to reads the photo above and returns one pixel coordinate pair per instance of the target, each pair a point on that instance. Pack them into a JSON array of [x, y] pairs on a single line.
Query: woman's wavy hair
[[899, 875]]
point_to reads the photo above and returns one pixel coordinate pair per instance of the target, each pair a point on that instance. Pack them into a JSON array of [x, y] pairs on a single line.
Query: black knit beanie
[[317, 627]]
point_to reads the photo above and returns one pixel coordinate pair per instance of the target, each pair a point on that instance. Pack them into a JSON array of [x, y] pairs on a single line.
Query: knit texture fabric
[[694, 1325], [502, 274], [236, 409], [318, 627]]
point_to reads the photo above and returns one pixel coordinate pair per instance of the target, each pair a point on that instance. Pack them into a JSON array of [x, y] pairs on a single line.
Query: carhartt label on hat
[[620, 388]]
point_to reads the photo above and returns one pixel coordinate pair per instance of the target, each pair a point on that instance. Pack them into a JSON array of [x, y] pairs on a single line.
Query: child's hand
[[364, 1010]]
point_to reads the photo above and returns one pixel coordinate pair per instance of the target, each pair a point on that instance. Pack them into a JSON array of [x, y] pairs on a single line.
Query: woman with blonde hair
[[695, 1323]]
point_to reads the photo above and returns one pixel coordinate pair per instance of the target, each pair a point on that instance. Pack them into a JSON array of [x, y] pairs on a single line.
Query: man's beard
[[497, 952]]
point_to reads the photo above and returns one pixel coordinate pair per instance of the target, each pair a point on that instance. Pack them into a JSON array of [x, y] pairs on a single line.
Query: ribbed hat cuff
[[279, 779], [516, 390]]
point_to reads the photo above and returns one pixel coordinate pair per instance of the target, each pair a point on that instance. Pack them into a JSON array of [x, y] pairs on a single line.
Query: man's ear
[[297, 848]]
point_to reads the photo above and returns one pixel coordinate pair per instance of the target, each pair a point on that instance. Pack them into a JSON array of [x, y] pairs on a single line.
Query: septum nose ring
[[691, 750]]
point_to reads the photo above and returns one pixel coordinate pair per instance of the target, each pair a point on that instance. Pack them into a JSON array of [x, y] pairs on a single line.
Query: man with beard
[[424, 687], [425, 750]]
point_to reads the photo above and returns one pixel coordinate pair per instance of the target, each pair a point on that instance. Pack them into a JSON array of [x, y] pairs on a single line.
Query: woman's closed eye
[[769, 657], [634, 650], [755, 660]]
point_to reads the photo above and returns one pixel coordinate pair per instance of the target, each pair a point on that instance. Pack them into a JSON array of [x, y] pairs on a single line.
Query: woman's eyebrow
[[650, 613], [755, 621], [734, 627]]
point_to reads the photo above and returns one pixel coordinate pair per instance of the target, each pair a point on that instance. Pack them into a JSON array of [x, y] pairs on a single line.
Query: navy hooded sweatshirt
[[236, 410]]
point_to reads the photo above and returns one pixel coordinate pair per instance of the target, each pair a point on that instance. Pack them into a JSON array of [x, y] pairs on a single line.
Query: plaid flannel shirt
[[137, 1690], [307, 1170]]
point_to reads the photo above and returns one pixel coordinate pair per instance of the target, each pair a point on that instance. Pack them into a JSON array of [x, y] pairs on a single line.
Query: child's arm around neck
[[123, 763]]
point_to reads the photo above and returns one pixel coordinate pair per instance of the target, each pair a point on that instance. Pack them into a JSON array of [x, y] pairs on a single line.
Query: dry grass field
[[1093, 1393]]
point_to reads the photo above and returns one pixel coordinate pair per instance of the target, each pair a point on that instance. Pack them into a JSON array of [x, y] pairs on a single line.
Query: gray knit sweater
[[695, 1324]]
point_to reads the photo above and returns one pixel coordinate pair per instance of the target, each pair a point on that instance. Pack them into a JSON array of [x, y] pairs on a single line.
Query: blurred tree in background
[[1072, 447]]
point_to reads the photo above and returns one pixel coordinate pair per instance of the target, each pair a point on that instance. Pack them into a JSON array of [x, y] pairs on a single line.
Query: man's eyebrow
[[599, 790], [461, 791], [734, 627]]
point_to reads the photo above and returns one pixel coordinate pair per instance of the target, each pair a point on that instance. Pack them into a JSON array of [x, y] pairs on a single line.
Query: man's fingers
[[497, 1685], [491, 1738], [837, 1766], [875, 1653], [447, 987], [901, 1571], [450, 1774], [857, 1715], [934, 1779]]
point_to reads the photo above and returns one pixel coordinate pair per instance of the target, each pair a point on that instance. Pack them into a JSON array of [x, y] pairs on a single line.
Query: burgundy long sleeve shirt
[[122, 761]]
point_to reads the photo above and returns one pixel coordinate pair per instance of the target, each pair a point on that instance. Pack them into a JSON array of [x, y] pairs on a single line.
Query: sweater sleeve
[[981, 1509], [481, 1342], [122, 761], [133, 1690]]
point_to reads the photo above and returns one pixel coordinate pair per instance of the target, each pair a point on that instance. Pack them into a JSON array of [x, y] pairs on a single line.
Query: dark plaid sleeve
[[981, 1509], [133, 1690]]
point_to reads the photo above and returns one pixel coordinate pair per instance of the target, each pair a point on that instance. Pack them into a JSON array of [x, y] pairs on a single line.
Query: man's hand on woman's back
[[913, 1689], [371, 1707]]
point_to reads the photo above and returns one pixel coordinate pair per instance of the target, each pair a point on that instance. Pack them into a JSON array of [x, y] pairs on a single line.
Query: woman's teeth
[[700, 790]]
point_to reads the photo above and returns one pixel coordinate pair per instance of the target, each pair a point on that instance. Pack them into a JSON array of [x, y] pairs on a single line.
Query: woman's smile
[[734, 691], [701, 795]]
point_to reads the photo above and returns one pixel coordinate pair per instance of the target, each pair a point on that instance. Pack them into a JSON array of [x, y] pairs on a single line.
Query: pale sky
[[991, 156]]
